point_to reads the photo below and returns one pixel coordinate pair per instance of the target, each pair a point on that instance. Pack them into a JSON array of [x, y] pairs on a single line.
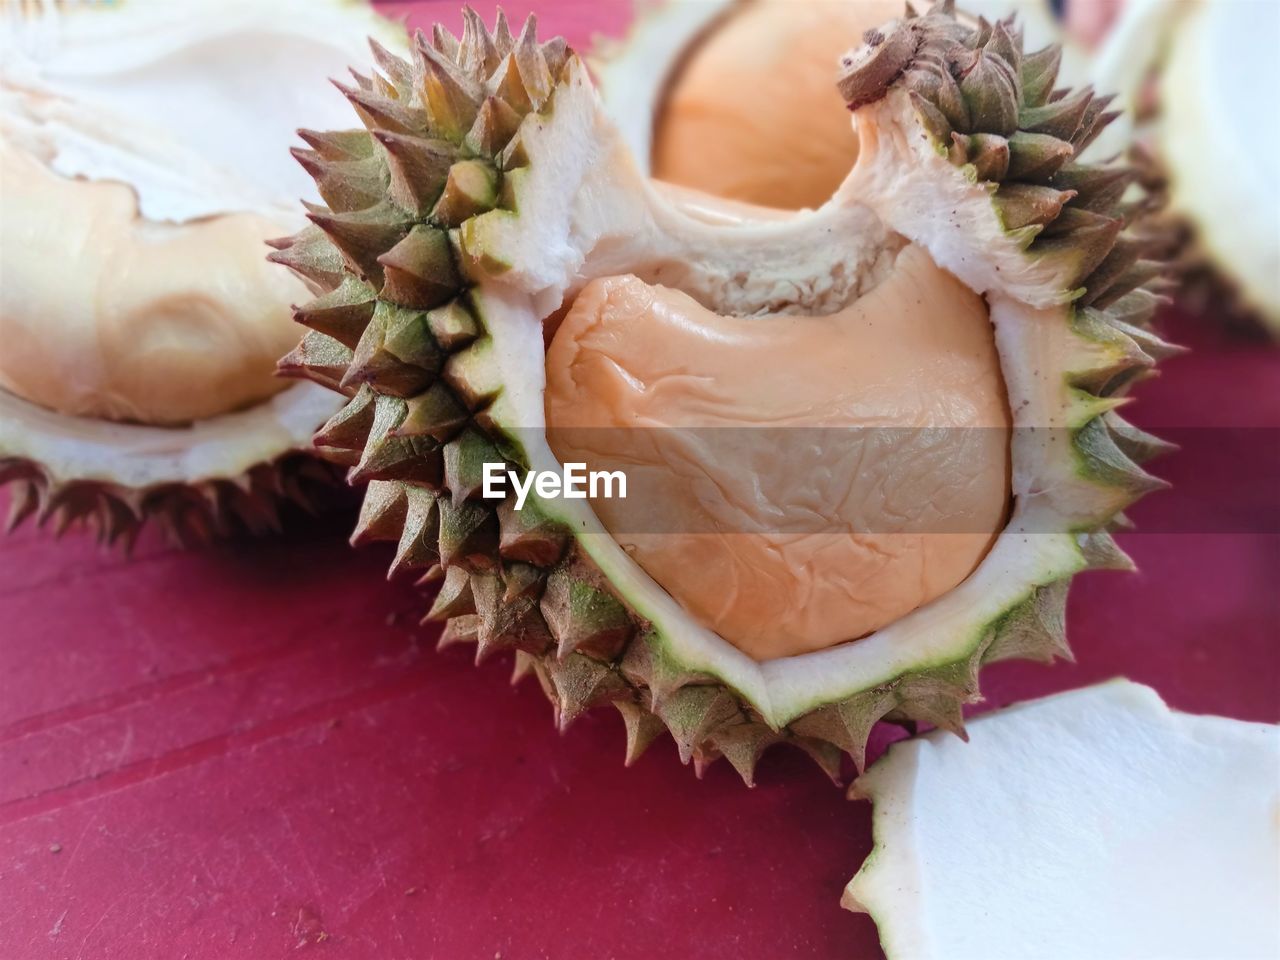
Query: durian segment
[[134, 326], [142, 325], [1094, 823], [965, 150]]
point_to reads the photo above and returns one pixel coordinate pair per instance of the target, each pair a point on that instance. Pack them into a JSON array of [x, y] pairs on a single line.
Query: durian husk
[[217, 478], [411, 199]]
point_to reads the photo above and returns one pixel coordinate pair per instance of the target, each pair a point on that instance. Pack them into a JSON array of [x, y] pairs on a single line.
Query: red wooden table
[[253, 750]]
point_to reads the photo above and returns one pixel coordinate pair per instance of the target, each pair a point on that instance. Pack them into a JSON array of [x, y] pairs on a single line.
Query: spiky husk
[[402, 242], [188, 514]]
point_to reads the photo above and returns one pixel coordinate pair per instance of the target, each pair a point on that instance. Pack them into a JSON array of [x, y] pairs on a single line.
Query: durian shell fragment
[[223, 476], [521, 581]]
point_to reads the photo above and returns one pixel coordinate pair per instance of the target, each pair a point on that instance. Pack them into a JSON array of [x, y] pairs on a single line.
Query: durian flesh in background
[[143, 167], [734, 97]]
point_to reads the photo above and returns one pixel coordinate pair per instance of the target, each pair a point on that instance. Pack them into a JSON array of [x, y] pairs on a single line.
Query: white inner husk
[[1096, 823], [193, 104]]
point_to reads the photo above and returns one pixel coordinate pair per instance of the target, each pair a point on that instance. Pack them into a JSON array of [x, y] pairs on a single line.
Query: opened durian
[[1094, 823], [139, 324], [868, 445], [734, 97]]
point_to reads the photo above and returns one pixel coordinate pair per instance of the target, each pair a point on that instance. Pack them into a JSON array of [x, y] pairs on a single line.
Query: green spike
[[339, 144], [471, 189], [693, 713], [311, 256], [478, 55], [454, 598], [468, 535], [932, 119], [1098, 189], [848, 723], [376, 364], [363, 236], [1057, 118], [1079, 252], [1104, 462], [380, 113], [451, 96], [1136, 444], [342, 314], [1036, 157], [388, 457], [642, 728], [418, 168], [505, 626], [1101, 552], [1022, 204], [1039, 72], [496, 123], [991, 94], [419, 270], [453, 325], [347, 431], [345, 185], [529, 535], [437, 413], [988, 153], [1035, 629], [581, 683], [382, 513], [318, 358], [584, 616], [399, 70], [465, 457], [416, 549]]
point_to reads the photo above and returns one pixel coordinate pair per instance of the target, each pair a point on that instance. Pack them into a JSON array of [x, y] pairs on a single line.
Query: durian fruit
[[1095, 823], [142, 168], [734, 97], [1194, 78], [496, 240]]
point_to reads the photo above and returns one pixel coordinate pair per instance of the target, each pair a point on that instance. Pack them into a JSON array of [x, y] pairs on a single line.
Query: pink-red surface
[[253, 751]]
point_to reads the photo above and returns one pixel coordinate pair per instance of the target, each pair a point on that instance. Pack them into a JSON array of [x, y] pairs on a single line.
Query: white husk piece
[[1095, 824]]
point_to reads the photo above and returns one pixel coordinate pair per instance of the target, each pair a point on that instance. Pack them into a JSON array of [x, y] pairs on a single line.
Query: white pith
[[900, 186], [136, 456], [110, 93], [1094, 823]]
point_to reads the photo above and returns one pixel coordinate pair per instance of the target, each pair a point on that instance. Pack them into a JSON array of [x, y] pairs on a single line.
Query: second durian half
[[139, 325], [868, 445]]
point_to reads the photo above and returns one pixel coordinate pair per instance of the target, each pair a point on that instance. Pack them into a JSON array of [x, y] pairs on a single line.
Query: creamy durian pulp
[[794, 481], [138, 195]]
